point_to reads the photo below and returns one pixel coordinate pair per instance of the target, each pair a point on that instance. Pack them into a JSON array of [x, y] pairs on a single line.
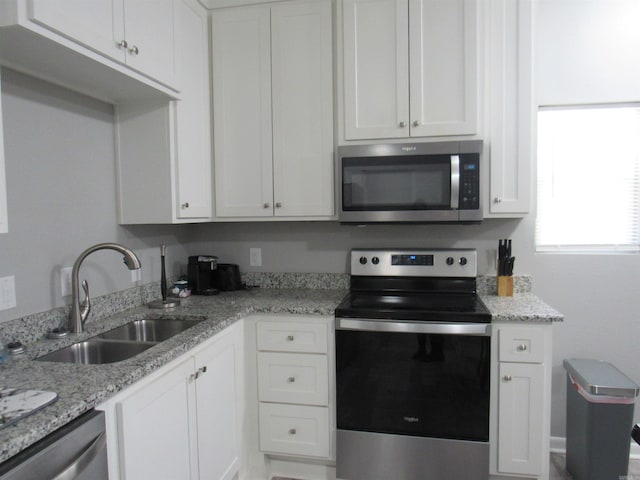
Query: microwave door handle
[[455, 182]]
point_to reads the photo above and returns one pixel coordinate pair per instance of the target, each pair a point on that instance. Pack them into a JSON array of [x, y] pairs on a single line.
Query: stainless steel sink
[[96, 351], [120, 343], [149, 330]]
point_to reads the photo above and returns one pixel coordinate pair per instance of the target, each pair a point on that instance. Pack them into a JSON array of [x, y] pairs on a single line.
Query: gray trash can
[[600, 402]]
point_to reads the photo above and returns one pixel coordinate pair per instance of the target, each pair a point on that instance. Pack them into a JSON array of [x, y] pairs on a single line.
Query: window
[[588, 179]]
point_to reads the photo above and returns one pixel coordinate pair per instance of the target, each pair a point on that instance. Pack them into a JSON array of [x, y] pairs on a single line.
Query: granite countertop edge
[[83, 387]]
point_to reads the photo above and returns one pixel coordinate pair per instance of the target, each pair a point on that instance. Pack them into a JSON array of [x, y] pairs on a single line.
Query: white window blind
[[588, 178]]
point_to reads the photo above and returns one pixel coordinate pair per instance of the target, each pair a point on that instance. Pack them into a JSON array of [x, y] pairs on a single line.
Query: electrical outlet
[[65, 281], [255, 257], [7, 293]]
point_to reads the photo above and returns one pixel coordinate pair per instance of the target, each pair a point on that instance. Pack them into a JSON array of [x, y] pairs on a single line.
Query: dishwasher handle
[[83, 459], [375, 325]]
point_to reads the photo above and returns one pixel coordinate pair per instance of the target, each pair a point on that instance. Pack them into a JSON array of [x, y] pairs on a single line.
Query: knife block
[[505, 286]]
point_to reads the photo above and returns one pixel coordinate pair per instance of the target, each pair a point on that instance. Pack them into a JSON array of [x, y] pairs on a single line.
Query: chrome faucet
[[79, 313]]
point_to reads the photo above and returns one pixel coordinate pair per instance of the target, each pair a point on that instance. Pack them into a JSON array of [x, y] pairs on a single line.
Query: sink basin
[[149, 330], [120, 343], [96, 351]]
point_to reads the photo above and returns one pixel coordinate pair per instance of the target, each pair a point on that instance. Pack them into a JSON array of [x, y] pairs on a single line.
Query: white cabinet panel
[[443, 46], [242, 112], [294, 429], [520, 418], [98, 24], [302, 86], [292, 336], [510, 106], [523, 345], [155, 428], [219, 408], [376, 69], [293, 378]]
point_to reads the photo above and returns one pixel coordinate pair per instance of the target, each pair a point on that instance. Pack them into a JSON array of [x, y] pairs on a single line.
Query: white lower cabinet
[[185, 420], [293, 384], [521, 401]]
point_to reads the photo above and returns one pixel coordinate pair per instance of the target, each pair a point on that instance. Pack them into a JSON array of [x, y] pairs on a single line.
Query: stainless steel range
[[412, 368]]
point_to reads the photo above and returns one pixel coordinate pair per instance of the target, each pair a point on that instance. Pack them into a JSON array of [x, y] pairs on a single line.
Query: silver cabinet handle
[[202, 370], [134, 50], [185, 205], [402, 125], [416, 123], [291, 379], [289, 338], [497, 200], [278, 205], [266, 205], [507, 378], [292, 431], [521, 348], [85, 458], [122, 44]]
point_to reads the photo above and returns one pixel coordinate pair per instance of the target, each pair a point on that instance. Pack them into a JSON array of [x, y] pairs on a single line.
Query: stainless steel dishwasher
[[76, 451]]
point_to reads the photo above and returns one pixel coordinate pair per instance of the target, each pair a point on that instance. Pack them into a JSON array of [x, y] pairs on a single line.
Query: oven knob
[[450, 260], [375, 260], [363, 260], [463, 260]]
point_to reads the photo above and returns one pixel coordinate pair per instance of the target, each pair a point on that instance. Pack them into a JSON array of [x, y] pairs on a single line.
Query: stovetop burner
[[414, 285]]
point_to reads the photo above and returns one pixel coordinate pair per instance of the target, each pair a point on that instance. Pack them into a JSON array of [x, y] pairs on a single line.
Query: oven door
[[412, 393]]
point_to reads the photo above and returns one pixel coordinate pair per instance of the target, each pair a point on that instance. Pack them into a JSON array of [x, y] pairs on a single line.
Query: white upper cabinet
[[241, 58], [164, 147], [273, 111], [114, 50], [510, 106], [410, 68], [139, 33]]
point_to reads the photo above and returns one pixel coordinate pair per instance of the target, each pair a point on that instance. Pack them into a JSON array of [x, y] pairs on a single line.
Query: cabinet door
[[302, 85], [520, 410], [510, 106], [193, 133], [220, 369], [376, 70], [98, 24], [157, 428], [443, 46], [149, 31], [4, 221], [242, 112]]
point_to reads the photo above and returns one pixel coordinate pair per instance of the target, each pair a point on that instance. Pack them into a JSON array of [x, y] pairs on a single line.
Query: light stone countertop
[[82, 387]]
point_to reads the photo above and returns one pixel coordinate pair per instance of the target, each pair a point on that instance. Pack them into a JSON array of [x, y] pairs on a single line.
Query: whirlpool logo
[[408, 149], [411, 419]]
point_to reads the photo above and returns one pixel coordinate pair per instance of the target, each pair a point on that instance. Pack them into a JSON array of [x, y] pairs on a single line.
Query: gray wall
[[61, 196]]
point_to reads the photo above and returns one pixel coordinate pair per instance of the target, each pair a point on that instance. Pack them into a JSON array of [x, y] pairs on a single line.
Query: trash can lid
[[600, 378]]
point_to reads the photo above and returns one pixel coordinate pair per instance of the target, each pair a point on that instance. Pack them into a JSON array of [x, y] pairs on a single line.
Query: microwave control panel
[[469, 181]]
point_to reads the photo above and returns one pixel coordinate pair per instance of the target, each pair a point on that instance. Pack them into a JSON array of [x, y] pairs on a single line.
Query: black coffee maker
[[201, 274]]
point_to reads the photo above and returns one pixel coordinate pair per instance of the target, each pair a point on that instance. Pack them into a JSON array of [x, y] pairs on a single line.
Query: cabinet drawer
[[294, 429], [293, 378], [292, 337], [521, 344]]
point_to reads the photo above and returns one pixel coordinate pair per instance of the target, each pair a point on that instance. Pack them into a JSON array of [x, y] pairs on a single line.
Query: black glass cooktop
[[446, 307]]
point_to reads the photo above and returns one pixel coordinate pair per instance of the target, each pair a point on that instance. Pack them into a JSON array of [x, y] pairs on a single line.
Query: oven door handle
[[367, 325]]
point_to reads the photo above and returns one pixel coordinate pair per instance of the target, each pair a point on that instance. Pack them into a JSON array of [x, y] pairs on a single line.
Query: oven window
[[396, 183], [413, 384]]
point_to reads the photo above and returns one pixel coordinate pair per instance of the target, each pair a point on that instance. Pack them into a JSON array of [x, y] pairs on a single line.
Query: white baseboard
[[559, 445]]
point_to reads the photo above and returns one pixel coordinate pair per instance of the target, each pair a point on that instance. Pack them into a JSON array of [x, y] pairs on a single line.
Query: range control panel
[[451, 262]]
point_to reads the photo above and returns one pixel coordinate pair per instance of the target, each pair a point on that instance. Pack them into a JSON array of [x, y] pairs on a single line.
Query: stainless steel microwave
[[410, 182]]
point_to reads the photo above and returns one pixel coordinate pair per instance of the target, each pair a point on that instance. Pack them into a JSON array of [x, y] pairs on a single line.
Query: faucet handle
[[85, 308]]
